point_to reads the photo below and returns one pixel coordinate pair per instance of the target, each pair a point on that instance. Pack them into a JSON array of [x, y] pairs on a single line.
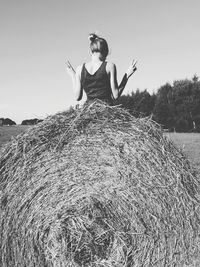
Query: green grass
[[7, 132], [190, 144]]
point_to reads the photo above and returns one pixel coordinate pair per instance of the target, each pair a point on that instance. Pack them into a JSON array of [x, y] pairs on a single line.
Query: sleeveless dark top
[[97, 85]]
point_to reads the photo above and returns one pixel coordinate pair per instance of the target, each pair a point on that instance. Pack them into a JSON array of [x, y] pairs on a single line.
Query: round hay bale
[[95, 186]]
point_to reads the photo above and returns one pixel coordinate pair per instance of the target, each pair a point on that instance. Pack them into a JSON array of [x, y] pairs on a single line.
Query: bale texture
[[95, 186]]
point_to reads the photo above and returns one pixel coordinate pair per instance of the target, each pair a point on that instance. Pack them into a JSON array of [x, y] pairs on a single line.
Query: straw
[[95, 186]]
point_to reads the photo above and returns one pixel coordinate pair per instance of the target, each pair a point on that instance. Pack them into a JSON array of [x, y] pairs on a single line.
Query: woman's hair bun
[[92, 37], [98, 44]]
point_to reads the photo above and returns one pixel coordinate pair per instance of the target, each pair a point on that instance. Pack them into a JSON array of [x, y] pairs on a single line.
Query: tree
[[175, 107], [163, 111], [7, 121], [138, 103], [187, 104]]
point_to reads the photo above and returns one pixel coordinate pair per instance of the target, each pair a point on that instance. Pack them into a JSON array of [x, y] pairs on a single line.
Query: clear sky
[[37, 36]]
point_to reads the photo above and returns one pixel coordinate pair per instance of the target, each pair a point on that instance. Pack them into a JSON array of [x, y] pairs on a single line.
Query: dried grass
[[95, 186]]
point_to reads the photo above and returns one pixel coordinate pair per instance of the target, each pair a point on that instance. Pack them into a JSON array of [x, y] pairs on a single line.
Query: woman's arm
[[76, 80], [118, 89]]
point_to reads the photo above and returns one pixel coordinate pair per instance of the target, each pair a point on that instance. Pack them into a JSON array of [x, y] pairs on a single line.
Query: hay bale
[[96, 187]]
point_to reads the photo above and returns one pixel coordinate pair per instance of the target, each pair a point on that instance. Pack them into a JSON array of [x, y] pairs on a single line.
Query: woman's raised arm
[[76, 80], [112, 70]]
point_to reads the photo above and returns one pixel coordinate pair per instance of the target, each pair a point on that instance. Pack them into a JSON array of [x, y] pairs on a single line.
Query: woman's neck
[[97, 57]]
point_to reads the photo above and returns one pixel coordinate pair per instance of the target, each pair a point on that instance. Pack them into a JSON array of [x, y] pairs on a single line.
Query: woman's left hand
[[70, 69], [132, 68]]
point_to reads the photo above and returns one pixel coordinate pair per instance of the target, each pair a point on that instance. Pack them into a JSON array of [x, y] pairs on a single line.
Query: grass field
[[7, 132], [190, 144]]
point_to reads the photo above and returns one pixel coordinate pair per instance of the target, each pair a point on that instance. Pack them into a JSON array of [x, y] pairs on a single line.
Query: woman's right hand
[[70, 69], [132, 68]]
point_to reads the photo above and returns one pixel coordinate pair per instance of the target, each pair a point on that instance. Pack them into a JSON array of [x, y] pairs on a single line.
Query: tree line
[[176, 107], [6, 121], [9, 122]]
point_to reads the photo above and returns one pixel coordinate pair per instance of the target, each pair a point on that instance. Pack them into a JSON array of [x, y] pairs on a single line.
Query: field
[[7, 132], [188, 142]]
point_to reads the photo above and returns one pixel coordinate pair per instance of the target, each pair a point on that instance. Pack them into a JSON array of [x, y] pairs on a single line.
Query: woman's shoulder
[[79, 70], [80, 67], [110, 66], [87, 64]]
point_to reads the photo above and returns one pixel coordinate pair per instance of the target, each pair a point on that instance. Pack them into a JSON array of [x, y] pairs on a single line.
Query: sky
[[37, 36]]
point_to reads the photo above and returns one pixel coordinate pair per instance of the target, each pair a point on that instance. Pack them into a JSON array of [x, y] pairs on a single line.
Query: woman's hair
[[98, 44]]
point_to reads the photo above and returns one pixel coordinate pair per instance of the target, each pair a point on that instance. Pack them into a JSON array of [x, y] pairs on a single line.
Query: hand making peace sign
[[70, 69], [132, 68]]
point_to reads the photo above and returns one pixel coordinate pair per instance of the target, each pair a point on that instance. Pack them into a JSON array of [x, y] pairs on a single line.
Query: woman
[[98, 78]]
